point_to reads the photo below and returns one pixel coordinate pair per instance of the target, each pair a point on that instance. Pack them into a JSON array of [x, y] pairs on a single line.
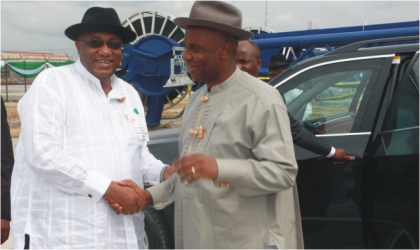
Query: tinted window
[[327, 99], [400, 130]]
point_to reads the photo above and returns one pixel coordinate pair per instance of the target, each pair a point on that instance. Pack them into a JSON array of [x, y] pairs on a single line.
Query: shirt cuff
[[228, 172], [162, 172], [95, 186], [154, 175], [331, 153], [162, 194]]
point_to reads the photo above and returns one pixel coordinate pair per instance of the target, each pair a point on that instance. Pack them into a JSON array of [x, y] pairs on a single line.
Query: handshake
[[126, 197]]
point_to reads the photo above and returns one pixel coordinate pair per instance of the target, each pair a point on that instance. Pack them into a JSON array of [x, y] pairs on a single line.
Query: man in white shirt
[[83, 129]]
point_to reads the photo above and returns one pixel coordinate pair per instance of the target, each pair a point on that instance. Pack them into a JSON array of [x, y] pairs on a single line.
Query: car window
[[400, 131], [328, 98]]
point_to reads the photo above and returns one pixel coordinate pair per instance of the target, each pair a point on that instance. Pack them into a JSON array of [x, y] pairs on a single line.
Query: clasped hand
[[126, 197]]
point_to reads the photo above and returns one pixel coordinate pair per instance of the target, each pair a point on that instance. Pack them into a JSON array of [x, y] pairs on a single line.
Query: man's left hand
[[193, 167], [5, 229]]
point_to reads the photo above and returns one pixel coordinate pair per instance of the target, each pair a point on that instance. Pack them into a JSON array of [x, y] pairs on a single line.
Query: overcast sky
[[40, 25]]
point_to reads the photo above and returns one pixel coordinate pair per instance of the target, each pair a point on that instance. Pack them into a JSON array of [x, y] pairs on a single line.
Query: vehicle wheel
[[157, 232]]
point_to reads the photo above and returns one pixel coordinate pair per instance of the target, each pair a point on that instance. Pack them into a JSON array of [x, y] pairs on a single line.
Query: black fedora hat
[[278, 60], [97, 19], [217, 15]]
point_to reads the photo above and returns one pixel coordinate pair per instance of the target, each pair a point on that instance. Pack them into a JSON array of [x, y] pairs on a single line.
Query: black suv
[[364, 98]]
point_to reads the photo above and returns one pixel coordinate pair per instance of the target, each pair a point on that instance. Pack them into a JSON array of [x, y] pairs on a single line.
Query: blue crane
[[300, 45]]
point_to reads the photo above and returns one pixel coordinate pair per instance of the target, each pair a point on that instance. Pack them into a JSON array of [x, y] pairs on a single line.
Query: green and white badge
[[133, 115]]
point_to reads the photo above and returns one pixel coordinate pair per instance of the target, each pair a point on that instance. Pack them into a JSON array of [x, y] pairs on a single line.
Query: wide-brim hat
[[215, 15], [278, 60], [98, 19]]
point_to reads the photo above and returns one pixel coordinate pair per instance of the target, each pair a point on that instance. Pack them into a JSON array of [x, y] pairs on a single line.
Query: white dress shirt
[[74, 140]]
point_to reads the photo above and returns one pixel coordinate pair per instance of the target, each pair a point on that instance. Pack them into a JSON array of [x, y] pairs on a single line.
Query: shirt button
[[90, 196], [164, 201]]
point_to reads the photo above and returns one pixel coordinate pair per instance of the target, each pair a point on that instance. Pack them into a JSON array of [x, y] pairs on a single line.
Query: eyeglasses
[[97, 43]]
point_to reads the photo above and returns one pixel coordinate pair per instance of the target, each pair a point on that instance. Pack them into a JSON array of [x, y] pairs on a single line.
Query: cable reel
[[147, 61]]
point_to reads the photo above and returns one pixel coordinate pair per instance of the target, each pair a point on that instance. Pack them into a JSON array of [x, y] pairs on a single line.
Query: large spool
[[146, 62]]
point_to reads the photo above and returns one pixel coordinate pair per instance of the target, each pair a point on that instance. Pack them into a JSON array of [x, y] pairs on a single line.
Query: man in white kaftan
[[79, 136]]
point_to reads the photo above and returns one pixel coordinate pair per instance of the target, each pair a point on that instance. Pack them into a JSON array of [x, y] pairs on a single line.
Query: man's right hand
[[144, 198], [125, 196], [342, 156]]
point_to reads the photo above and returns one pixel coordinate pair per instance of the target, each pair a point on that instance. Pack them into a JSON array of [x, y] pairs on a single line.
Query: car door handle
[[333, 161]]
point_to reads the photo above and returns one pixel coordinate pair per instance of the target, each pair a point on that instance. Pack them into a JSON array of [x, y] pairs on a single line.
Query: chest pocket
[[134, 123], [128, 125]]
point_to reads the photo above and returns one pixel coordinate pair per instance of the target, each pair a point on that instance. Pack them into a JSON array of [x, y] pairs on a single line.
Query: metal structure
[[259, 30], [300, 45], [154, 66], [147, 61]]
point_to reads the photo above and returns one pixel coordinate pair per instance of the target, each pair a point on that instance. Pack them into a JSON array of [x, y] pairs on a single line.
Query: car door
[[390, 183], [336, 100]]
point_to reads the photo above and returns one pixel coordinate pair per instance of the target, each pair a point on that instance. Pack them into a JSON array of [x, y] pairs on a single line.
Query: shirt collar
[[227, 83], [117, 90]]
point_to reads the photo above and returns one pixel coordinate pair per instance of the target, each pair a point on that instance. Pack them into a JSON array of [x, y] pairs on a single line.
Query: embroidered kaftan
[[253, 203]]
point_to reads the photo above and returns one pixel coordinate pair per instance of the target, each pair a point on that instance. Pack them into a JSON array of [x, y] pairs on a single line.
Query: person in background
[[7, 161], [248, 59], [277, 65], [83, 129]]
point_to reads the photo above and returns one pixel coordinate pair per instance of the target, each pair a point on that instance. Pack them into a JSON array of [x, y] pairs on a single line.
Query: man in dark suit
[[7, 161], [248, 59]]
